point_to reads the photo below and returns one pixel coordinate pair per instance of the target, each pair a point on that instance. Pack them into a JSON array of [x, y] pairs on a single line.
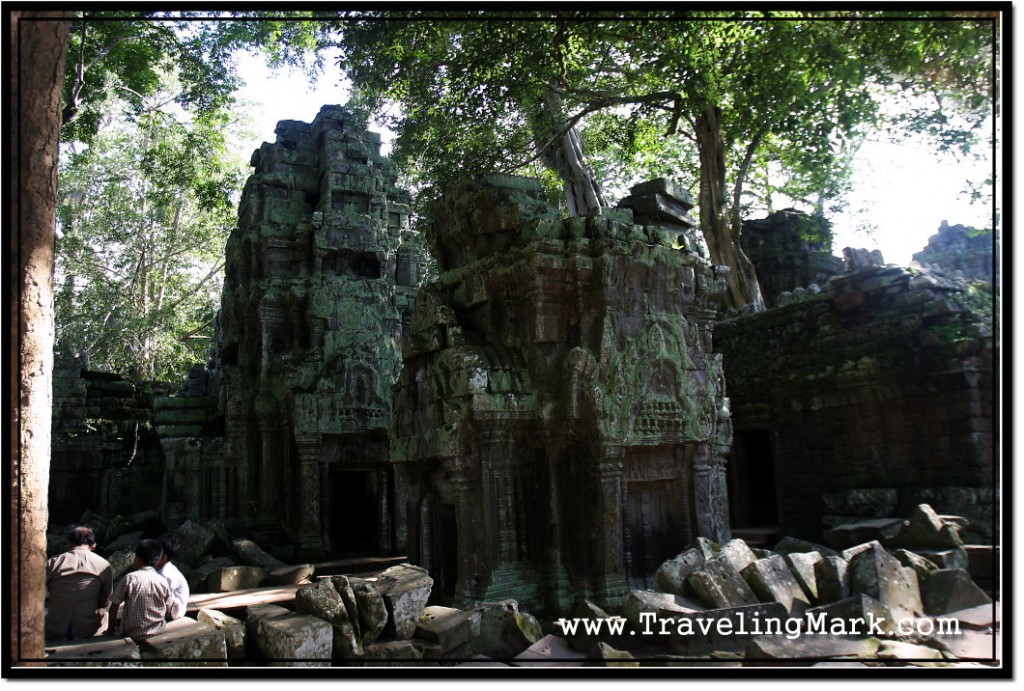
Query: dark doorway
[[448, 546], [353, 512], [751, 470], [655, 525]]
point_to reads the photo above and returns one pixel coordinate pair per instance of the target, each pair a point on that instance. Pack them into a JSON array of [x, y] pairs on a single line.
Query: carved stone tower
[[560, 422], [320, 276]]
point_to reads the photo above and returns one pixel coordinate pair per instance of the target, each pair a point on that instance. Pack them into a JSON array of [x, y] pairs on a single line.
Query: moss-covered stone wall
[[560, 421], [883, 379]]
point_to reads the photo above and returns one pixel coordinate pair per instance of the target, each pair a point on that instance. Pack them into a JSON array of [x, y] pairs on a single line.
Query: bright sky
[[903, 191]]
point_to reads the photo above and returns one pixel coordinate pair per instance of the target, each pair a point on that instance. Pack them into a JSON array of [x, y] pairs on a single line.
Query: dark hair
[[82, 535], [170, 546], [149, 552]]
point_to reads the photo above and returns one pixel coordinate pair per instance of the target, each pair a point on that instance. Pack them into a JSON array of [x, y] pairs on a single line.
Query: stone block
[[708, 549], [447, 627], [738, 554], [902, 650], [850, 534], [801, 565], [603, 655], [322, 600], [505, 631], [811, 648], [949, 590], [122, 561], [343, 584], [373, 612], [550, 651], [981, 560], [954, 558], [926, 529], [286, 639], [193, 541], [197, 580], [125, 541], [248, 552], [100, 651], [979, 645], [665, 186], [877, 573], [405, 589], [640, 601], [221, 538], [187, 642], [726, 630], [851, 552], [921, 566], [718, 585], [858, 615], [981, 617], [231, 578], [792, 545], [672, 574], [833, 581], [385, 653], [232, 628], [290, 575], [772, 581]]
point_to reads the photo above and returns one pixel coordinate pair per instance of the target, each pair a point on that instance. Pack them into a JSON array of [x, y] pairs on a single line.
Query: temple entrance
[[448, 549], [751, 477], [353, 512], [655, 526]]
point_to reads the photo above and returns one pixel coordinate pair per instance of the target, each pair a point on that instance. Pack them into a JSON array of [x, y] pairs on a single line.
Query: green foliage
[[127, 52], [747, 91], [464, 89], [144, 212]]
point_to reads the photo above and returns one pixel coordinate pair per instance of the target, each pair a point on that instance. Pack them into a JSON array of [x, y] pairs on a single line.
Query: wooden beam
[[243, 598]]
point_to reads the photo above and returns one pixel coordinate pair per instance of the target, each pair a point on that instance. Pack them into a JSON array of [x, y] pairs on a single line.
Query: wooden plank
[[360, 564], [285, 593], [243, 598]]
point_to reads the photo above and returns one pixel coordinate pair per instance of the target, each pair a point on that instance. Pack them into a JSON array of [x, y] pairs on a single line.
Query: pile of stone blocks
[[926, 541], [871, 601], [385, 620]]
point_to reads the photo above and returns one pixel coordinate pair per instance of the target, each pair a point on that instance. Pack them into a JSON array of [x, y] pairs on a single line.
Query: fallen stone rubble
[[880, 602]]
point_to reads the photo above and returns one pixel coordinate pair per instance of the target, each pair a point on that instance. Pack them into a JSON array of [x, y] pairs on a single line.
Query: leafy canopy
[[460, 87], [144, 212]]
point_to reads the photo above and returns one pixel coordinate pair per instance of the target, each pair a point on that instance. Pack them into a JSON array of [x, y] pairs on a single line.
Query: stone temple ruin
[[547, 421], [320, 279], [863, 396], [560, 420]]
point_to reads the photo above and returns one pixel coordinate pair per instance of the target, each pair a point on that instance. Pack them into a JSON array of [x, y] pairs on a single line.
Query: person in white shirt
[[175, 579]]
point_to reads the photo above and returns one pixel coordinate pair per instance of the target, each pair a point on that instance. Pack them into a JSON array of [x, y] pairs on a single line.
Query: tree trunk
[[562, 152], [38, 47], [742, 287]]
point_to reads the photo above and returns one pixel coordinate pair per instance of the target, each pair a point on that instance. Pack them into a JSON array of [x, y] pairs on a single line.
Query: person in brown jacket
[[79, 584]]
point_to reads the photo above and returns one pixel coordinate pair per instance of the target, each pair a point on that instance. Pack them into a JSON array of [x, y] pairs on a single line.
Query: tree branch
[[741, 175], [605, 101], [185, 337], [71, 108]]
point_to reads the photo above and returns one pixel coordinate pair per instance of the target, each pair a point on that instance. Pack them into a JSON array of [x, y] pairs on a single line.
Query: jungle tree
[[477, 91]]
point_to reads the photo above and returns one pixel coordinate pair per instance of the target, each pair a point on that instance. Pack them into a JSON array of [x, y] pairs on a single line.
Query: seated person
[[78, 584], [175, 579], [145, 595]]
